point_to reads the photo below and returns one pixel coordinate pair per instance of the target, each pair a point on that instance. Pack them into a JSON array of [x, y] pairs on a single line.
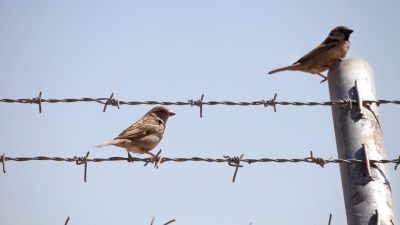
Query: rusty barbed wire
[[236, 162], [192, 102]]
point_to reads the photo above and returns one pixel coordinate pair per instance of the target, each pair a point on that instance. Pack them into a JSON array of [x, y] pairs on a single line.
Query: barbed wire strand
[[251, 223], [199, 103], [231, 161]]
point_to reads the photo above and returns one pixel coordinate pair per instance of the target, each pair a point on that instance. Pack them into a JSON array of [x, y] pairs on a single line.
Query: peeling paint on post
[[355, 128]]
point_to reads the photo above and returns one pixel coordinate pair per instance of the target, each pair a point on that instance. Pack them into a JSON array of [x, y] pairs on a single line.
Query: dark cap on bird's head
[[161, 111], [340, 33], [343, 29]]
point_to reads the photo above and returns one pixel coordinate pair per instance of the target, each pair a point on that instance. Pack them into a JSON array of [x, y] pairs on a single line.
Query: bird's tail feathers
[[112, 142], [291, 67]]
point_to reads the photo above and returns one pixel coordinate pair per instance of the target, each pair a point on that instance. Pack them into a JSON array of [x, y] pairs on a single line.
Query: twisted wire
[[115, 102], [80, 160]]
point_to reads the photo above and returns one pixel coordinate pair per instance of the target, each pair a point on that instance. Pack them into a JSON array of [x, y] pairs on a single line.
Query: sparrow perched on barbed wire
[[332, 49], [144, 134]]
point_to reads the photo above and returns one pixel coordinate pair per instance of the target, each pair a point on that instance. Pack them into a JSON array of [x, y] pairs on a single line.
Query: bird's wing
[[141, 128], [323, 47]]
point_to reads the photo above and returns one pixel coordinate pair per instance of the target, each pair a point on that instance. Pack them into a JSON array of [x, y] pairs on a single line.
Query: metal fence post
[[366, 187]]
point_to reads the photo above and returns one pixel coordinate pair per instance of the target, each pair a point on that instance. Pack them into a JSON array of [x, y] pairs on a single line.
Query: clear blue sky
[[177, 50]]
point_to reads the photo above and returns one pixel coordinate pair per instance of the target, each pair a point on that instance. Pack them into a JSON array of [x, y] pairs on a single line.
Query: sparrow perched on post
[[332, 49], [144, 134]]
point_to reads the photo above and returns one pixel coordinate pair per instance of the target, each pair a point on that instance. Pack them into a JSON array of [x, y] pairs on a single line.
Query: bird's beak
[[349, 31], [171, 114]]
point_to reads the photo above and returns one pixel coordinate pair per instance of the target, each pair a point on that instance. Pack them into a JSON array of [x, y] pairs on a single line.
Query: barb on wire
[[82, 160], [37, 100], [66, 222], [111, 101], [169, 222], [318, 161], [156, 159], [200, 103], [330, 219], [3, 162], [395, 167], [235, 162], [271, 102]]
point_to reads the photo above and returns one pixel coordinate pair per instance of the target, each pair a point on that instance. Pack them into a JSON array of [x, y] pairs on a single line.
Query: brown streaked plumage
[[145, 134], [320, 59]]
